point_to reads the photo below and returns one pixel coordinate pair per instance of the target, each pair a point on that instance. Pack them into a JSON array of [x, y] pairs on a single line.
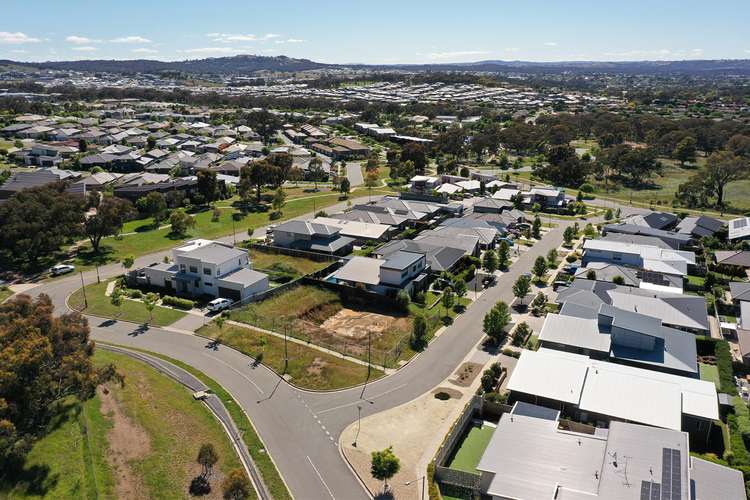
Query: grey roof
[[401, 260], [440, 258], [330, 245], [699, 226], [372, 217], [710, 481], [607, 272], [739, 228], [493, 204], [486, 235], [468, 243], [216, 253], [638, 239], [656, 220], [733, 257], [244, 276], [740, 290], [307, 228], [675, 240]]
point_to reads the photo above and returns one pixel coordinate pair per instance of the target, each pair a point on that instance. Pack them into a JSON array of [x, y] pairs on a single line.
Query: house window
[[207, 271], [193, 269], [207, 283]]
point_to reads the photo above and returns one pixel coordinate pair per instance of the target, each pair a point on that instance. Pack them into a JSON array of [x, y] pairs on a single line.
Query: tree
[[150, 142], [259, 174], [279, 200], [36, 222], [116, 300], [552, 257], [540, 267], [521, 287], [344, 187], [207, 458], [384, 465], [181, 222], [496, 320], [149, 301], [591, 275], [608, 215], [153, 205], [459, 287], [536, 228], [208, 185], [403, 300], [418, 338], [45, 359], [618, 280], [110, 215], [83, 146], [490, 261], [128, 261], [448, 299], [568, 235], [245, 184], [685, 150], [503, 255], [721, 169], [520, 334], [563, 167], [236, 485], [371, 180]]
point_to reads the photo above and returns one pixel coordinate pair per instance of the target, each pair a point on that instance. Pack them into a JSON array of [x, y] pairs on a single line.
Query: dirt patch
[[127, 442], [316, 367], [357, 325], [466, 374], [453, 393]]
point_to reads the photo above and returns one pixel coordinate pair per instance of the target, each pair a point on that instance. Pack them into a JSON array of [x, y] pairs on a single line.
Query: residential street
[[301, 428]]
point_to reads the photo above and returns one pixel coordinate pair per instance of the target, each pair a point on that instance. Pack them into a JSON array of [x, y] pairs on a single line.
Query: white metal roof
[[573, 331]]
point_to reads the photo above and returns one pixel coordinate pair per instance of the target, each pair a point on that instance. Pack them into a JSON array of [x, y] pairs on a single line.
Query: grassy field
[[307, 367], [131, 310], [472, 447], [709, 373], [139, 237], [116, 445], [262, 260]]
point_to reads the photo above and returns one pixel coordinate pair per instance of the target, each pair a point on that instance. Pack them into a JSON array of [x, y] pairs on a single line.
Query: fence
[[318, 257]]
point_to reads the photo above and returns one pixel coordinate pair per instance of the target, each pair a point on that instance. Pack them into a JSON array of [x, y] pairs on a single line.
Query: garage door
[[228, 293]]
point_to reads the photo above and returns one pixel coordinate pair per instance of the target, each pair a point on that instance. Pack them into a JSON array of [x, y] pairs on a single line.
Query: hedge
[[724, 364], [739, 454], [177, 302]]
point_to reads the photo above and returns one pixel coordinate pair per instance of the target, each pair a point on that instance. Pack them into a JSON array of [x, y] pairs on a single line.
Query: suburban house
[[656, 220], [639, 278], [674, 240], [550, 460], [375, 215], [401, 270], [646, 257], [594, 391], [739, 229], [620, 336], [683, 312], [306, 235], [699, 226], [733, 258], [492, 205], [41, 177], [360, 231], [423, 184], [548, 198], [206, 268], [439, 258]]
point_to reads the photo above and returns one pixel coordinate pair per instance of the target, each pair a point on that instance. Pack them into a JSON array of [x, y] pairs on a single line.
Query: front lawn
[[131, 310], [307, 367], [472, 448]]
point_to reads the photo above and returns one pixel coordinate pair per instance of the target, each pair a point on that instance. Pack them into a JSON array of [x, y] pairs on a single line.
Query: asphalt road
[[301, 428]]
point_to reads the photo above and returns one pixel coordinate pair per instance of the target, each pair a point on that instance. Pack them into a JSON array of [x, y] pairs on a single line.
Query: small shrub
[[442, 396], [571, 258], [511, 353], [135, 294], [177, 302]]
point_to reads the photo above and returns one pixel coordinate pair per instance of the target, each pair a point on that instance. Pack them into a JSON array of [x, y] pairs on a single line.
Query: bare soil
[[356, 325], [465, 375], [127, 442], [316, 367]]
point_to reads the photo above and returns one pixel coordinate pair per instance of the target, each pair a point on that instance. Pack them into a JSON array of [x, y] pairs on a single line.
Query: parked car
[[559, 284], [509, 241], [62, 269], [570, 269], [217, 305]]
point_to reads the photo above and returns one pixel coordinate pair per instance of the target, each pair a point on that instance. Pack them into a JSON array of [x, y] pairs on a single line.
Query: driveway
[[354, 173]]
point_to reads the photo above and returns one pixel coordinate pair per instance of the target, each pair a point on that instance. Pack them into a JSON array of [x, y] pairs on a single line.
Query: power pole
[[83, 289]]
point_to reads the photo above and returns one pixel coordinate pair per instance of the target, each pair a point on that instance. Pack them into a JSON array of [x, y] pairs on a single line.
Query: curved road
[[301, 428]]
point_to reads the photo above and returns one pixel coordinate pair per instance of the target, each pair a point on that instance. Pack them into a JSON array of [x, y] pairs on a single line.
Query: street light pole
[[359, 424], [83, 289], [423, 479]]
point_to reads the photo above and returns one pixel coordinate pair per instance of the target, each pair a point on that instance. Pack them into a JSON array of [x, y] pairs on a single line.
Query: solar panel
[[671, 474], [676, 474], [650, 490], [738, 223]]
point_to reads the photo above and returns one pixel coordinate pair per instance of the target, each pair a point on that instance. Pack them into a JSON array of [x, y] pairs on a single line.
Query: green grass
[[743, 415], [265, 260], [308, 367], [5, 292], [472, 447], [72, 459], [146, 240], [255, 446], [131, 310], [709, 373], [696, 280]]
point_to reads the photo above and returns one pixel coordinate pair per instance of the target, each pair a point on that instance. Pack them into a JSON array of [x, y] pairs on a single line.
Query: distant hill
[[248, 64]]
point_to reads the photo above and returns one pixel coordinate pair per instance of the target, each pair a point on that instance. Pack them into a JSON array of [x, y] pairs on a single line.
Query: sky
[[381, 32]]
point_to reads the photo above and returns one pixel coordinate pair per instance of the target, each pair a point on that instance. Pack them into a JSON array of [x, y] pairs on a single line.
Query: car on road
[[61, 269], [217, 305]]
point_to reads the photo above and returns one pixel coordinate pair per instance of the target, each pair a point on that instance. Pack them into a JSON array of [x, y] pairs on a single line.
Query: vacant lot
[[99, 305], [321, 316], [116, 445], [307, 367], [271, 262]]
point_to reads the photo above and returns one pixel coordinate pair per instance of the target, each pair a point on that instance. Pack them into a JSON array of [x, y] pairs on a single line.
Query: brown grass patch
[[127, 442], [356, 325], [466, 374]]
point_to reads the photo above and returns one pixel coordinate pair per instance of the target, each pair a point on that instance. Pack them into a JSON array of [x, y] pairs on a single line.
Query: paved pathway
[[354, 173]]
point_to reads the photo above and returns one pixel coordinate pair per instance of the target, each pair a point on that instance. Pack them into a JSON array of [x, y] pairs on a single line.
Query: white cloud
[[17, 37], [144, 50], [19, 51], [240, 37], [747, 51], [84, 48], [80, 40], [130, 39], [456, 54], [290, 40], [211, 50], [550, 44], [512, 50]]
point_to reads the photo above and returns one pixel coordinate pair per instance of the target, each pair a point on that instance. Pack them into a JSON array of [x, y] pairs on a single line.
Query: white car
[[61, 269], [217, 305]]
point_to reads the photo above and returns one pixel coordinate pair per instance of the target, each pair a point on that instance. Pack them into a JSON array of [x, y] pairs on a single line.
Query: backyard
[[116, 445], [280, 265], [472, 447]]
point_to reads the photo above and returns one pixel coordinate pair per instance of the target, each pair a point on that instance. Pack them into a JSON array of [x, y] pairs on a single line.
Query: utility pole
[[286, 352], [359, 424], [97, 273], [234, 233], [83, 289]]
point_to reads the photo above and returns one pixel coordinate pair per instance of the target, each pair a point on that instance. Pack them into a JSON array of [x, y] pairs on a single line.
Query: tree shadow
[[384, 495], [90, 257], [140, 330], [144, 228], [34, 480]]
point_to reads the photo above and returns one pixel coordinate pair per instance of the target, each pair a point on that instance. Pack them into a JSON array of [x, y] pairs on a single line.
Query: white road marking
[[238, 372], [372, 398], [321, 478]]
